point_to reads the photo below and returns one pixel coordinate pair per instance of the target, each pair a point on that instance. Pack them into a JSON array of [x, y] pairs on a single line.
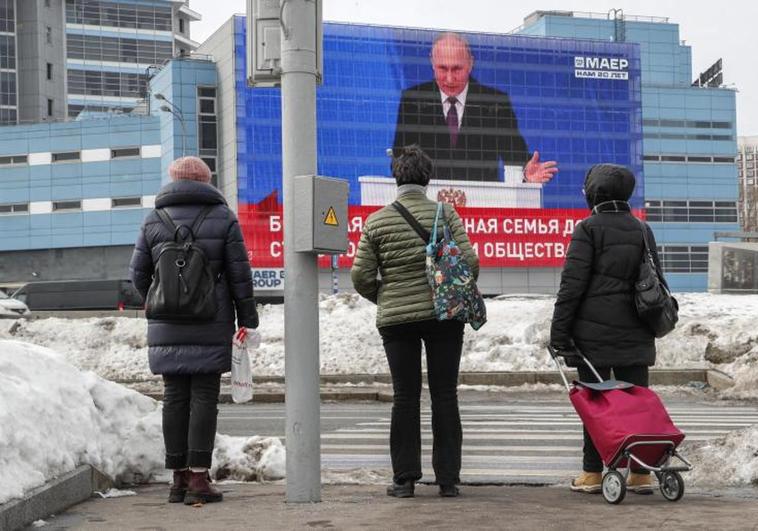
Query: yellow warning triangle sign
[[331, 218]]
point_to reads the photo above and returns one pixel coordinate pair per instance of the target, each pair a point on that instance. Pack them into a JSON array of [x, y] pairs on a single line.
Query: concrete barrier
[[53, 497]]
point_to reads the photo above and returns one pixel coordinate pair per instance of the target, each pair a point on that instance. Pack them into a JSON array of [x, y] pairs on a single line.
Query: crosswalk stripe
[[483, 432], [561, 423], [469, 448], [490, 437], [529, 442]]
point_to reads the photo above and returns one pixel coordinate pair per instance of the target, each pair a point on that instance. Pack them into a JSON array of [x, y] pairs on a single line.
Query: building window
[[207, 126], [119, 49], [14, 159], [49, 71], [700, 159], [60, 206], [181, 25], [49, 107], [211, 162], [125, 152], [49, 35], [679, 136], [683, 258], [122, 15], [126, 202], [67, 156], [14, 208], [694, 211]]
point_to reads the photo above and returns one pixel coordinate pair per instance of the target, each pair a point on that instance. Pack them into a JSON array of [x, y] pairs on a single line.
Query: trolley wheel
[[614, 487], [672, 486]]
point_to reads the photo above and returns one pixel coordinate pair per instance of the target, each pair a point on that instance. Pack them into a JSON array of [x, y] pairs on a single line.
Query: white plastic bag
[[242, 375]]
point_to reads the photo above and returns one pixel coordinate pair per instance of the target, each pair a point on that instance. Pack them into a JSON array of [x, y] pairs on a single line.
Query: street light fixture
[[177, 113]]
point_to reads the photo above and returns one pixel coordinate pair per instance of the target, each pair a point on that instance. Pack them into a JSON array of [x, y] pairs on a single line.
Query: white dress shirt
[[459, 106]]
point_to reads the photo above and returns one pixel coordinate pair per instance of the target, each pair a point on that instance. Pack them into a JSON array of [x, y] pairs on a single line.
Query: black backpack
[[184, 286]]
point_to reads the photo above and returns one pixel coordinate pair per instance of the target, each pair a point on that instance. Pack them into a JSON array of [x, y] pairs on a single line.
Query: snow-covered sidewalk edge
[[731, 460], [53, 497], [714, 331], [55, 418]]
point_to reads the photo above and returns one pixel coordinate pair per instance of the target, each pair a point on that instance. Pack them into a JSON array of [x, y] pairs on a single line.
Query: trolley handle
[[555, 354]]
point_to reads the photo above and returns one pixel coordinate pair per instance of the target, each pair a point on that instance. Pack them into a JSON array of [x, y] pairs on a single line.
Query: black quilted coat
[[197, 347], [595, 308]]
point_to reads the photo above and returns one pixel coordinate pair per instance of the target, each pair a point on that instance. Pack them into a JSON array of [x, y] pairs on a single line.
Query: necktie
[[452, 121]]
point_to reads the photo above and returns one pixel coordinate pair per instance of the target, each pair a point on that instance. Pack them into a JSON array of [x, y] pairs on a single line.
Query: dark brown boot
[[200, 490], [179, 487]]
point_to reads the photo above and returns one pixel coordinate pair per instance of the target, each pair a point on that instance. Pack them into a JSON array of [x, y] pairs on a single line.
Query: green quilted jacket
[[389, 267]]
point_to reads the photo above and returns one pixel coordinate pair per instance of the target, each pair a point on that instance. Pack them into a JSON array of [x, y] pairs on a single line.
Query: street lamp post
[[177, 113]]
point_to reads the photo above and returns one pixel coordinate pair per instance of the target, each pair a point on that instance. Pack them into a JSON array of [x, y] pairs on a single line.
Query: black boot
[[401, 490], [449, 491]]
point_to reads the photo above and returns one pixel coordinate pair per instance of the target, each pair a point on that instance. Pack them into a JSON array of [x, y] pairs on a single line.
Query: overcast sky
[[726, 29]]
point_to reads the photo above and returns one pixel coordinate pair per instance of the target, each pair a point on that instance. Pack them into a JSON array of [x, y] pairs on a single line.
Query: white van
[[12, 308]]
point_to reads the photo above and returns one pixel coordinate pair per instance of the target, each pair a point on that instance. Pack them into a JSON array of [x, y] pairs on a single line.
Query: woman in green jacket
[[389, 270]]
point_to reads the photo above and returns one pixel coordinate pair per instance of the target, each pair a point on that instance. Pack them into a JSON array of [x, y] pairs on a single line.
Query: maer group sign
[[512, 122]]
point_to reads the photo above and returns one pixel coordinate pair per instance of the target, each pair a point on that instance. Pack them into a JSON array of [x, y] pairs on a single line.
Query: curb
[[53, 497], [505, 378], [715, 379], [268, 397], [718, 380]]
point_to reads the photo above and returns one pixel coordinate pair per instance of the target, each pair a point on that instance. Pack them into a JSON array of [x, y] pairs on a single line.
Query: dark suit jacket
[[487, 139]]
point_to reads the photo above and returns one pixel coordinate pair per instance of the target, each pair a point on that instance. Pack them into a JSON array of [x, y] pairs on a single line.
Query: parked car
[[12, 308], [80, 295]]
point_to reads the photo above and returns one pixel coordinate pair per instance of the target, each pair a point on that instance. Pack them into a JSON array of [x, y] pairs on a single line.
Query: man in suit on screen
[[469, 130]]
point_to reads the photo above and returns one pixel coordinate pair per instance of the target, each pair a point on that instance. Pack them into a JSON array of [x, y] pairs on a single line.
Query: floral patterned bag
[[454, 291]]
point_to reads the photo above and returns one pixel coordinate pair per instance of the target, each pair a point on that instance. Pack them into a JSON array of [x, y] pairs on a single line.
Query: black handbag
[[655, 304]]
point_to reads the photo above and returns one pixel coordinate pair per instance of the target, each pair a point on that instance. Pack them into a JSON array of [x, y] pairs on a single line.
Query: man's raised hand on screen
[[536, 171]]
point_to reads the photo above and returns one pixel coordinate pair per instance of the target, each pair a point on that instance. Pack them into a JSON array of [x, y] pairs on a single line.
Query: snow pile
[[113, 347], [54, 418], [253, 459], [731, 460], [115, 493], [714, 331]]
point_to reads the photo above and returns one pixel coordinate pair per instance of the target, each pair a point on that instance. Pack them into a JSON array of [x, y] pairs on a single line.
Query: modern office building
[[59, 58], [73, 194], [690, 139], [71, 207], [747, 168]]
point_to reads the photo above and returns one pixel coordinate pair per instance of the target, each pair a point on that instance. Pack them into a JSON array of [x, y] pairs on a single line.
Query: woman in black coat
[[191, 355], [595, 311]]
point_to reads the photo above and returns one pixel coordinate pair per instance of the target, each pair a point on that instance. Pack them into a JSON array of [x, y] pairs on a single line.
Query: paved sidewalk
[[253, 506]]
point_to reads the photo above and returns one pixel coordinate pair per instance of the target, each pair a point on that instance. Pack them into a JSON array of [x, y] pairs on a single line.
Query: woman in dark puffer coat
[[595, 310], [192, 355]]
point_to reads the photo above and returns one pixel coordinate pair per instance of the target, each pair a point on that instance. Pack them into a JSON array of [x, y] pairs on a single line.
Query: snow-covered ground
[[55, 417], [731, 460], [714, 331]]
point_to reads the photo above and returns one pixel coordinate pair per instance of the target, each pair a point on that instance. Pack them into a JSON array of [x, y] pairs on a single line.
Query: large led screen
[[512, 122]]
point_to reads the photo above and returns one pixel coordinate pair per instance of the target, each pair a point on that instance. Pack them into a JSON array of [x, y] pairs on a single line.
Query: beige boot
[[588, 482], [639, 483]]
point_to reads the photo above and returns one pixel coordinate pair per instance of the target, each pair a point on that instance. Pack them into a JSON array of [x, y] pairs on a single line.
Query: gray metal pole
[[184, 134], [301, 336]]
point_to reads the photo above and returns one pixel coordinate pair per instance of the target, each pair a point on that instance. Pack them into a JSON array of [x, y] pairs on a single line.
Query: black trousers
[[637, 375], [190, 413], [443, 341]]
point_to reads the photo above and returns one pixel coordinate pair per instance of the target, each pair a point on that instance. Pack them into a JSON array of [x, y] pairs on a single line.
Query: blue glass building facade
[[689, 140], [73, 194]]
